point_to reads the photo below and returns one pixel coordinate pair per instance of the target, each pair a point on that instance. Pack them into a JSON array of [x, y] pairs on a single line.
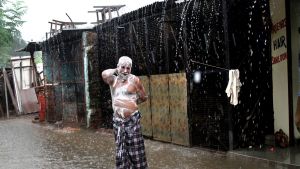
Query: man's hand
[[139, 100]]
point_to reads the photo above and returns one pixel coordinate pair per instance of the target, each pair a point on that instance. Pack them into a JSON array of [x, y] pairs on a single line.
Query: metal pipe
[[86, 78]]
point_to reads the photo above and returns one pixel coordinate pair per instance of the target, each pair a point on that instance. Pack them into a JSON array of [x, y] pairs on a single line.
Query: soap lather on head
[[125, 60]]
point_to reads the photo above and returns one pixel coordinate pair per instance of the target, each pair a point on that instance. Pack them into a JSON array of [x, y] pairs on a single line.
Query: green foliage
[[10, 20], [13, 17]]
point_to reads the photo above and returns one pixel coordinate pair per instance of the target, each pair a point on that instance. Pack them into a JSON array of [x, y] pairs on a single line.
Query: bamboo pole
[[6, 98]]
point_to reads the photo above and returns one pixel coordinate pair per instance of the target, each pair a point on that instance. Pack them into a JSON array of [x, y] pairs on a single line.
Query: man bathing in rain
[[127, 92]]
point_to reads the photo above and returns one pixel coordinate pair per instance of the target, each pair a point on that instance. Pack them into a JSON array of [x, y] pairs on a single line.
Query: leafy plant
[[10, 21]]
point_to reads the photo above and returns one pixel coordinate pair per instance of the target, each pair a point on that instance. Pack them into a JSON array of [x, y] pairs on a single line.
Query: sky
[[40, 12]]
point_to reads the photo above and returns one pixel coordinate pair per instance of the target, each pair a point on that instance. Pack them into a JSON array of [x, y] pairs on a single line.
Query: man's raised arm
[[108, 75]]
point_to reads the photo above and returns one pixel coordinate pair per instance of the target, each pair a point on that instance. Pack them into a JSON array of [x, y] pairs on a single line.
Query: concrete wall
[[279, 68], [295, 39]]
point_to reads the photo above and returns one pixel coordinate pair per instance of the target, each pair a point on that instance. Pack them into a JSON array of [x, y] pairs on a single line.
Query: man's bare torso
[[124, 96]]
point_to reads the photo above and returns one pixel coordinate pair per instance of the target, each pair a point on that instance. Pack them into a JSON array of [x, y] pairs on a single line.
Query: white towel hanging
[[233, 86]]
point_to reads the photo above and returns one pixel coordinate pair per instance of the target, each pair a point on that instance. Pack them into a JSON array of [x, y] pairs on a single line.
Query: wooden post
[[51, 29], [55, 28], [103, 16], [109, 13], [21, 75], [6, 98], [97, 13]]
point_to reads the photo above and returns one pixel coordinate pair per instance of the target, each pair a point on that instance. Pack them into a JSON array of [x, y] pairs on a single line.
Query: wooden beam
[[96, 22], [68, 23], [77, 23], [11, 93], [112, 6], [55, 23], [20, 59], [62, 22]]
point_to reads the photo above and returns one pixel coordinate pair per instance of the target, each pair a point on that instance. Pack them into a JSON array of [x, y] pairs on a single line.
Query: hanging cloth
[[233, 87]]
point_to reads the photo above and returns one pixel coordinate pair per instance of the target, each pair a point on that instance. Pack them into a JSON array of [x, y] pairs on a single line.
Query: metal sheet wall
[[63, 65]]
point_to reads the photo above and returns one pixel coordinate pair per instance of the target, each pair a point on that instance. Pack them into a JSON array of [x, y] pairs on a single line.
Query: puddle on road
[[24, 145], [31, 146]]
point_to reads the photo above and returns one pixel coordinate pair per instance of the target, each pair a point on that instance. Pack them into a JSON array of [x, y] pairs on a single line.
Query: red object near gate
[[42, 112]]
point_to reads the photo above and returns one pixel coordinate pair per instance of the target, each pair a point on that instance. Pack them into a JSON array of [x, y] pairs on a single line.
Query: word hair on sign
[[279, 42]]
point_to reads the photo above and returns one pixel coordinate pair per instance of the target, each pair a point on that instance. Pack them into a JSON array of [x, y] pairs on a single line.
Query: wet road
[[26, 145]]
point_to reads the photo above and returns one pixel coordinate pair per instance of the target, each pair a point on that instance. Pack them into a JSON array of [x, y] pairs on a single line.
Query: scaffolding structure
[[106, 12]]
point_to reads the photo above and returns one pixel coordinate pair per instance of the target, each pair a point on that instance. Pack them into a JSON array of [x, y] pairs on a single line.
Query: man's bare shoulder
[[135, 79]]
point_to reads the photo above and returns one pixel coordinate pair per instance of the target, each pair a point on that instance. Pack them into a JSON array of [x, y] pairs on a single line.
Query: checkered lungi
[[130, 149]]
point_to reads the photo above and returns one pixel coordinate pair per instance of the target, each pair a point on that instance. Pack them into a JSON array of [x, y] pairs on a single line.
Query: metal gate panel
[[145, 109], [70, 112], [69, 103], [160, 107], [178, 109], [29, 101], [50, 104]]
